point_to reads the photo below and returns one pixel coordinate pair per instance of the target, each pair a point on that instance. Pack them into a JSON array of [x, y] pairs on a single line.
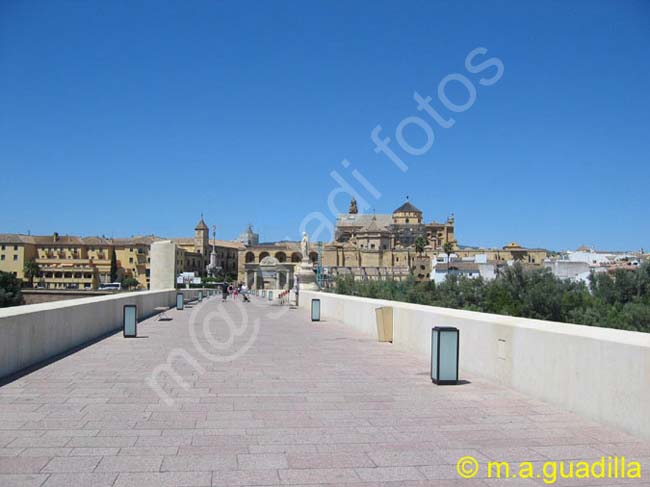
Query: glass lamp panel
[[315, 309], [434, 354], [448, 355], [130, 321]]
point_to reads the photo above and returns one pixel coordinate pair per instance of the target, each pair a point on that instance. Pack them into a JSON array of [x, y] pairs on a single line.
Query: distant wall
[[34, 296], [601, 373], [35, 333]]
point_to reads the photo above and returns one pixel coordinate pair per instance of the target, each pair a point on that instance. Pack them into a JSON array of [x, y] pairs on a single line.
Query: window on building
[[15, 258], [130, 260], [3, 247], [15, 247], [2, 258]]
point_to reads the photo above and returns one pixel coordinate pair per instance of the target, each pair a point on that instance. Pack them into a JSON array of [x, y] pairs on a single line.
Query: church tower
[[201, 238]]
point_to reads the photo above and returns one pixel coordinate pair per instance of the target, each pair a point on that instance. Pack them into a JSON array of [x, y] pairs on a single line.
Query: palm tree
[[448, 248], [420, 243], [31, 270]]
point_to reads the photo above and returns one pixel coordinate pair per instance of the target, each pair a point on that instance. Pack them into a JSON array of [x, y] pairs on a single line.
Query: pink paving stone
[[304, 405], [130, 464], [164, 479], [261, 461], [21, 480], [71, 464], [231, 478], [80, 479], [12, 465]]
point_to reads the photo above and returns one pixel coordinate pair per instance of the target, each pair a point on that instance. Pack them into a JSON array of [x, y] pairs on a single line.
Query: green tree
[[420, 243], [114, 275], [619, 300], [129, 282], [31, 270], [10, 294], [448, 248]]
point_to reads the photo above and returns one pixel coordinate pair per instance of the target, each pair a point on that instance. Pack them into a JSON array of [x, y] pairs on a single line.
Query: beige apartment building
[[72, 262]]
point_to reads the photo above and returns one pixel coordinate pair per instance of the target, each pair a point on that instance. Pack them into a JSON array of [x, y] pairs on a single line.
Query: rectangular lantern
[[130, 321], [180, 302], [200, 296], [270, 295], [444, 355], [315, 309]]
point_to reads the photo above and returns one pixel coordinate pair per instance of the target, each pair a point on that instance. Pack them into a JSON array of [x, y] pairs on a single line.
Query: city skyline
[[134, 119]]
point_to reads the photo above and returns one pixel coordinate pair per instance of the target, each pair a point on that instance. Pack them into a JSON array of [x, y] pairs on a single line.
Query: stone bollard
[[384, 316]]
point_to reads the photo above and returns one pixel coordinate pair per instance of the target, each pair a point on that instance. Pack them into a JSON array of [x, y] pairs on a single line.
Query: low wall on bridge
[[600, 373], [34, 296], [35, 333]]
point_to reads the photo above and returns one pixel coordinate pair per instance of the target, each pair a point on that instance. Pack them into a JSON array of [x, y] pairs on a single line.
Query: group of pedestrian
[[235, 290]]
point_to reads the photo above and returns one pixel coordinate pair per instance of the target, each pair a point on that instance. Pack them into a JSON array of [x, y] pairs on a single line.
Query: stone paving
[[306, 404]]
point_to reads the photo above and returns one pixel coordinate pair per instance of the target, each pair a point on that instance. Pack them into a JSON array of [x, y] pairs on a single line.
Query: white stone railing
[[600, 373], [35, 333]]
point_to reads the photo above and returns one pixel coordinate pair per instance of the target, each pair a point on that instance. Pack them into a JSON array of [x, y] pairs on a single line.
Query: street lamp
[[444, 355], [315, 309], [130, 321]]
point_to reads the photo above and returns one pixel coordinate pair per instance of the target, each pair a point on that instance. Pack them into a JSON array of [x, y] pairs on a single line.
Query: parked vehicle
[[110, 286]]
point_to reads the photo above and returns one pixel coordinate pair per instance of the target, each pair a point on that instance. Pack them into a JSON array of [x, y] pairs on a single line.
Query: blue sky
[[127, 118]]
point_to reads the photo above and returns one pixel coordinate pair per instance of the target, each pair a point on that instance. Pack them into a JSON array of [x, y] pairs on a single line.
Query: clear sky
[[132, 117]]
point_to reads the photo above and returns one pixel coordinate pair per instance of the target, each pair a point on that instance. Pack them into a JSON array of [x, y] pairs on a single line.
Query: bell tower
[[201, 238]]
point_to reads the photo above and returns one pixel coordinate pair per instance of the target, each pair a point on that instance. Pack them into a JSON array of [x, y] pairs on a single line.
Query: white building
[[595, 257], [472, 267], [567, 269]]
